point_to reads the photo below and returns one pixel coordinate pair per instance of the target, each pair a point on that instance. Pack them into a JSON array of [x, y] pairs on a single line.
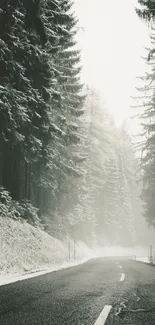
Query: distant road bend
[[111, 291]]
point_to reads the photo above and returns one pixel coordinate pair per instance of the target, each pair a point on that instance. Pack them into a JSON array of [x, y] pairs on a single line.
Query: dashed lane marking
[[104, 315], [122, 277]]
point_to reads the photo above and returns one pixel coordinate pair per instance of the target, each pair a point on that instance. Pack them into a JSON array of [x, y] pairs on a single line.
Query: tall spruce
[[40, 99], [102, 208], [147, 11]]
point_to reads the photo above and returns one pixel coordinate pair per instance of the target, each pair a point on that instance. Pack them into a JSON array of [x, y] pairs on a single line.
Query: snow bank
[[25, 249], [142, 259], [142, 254]]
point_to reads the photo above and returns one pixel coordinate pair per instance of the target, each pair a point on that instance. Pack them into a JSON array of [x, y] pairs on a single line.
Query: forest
[[64, 164]]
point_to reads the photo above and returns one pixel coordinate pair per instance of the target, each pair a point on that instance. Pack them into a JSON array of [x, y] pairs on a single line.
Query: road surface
[[111, 291]]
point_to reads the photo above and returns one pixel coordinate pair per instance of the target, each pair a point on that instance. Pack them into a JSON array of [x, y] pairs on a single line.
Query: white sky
[[112, 45]]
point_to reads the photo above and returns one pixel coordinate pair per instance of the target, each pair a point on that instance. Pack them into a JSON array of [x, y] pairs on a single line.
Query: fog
[[77, 162]]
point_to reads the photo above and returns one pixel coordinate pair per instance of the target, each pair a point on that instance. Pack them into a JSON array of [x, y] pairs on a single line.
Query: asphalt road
[[79, 295]]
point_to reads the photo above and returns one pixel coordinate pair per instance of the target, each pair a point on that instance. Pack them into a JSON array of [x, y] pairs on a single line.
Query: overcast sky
[[112, 44]]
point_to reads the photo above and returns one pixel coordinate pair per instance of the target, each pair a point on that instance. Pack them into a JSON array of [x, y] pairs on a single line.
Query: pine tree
[[147, 9], [102, 204], [148, 121], [41, 100], [23, 109]]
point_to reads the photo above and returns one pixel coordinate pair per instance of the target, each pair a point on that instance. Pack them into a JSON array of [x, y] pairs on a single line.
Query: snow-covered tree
[[100, 204], [40, 99], [147, 119]]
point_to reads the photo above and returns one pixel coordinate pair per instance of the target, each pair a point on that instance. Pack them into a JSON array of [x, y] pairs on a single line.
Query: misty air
[[77, 162]]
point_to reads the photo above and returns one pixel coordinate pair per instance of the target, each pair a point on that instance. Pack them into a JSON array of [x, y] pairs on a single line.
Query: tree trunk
[[26, 180], [16, 173], [29, 182], [7, 167]]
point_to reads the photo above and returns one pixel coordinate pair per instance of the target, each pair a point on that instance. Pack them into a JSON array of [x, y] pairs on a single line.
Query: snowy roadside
[[26, 252], [6, 279], [143, 259]]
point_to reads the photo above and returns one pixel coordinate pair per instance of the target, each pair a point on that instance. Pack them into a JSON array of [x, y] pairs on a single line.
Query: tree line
[[63, 162], [146, 11], [40, 99]]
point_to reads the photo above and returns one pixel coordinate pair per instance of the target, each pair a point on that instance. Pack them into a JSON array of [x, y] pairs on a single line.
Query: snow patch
[[143, 259], [6, 279], [26, 251]]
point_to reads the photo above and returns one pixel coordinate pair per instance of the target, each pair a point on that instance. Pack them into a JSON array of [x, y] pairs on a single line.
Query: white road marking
[[122, 277], [119, 265], [103, 316]]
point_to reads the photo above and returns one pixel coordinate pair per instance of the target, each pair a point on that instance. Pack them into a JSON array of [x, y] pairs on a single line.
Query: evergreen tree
[[102, 206], [147, 11], [40, 99]]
